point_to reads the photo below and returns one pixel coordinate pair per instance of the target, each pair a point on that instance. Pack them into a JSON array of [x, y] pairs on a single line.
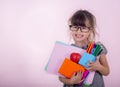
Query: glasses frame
[[80, 27]]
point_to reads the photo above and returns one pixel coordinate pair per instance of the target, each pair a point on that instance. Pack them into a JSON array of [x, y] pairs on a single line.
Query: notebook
[[59, 53]]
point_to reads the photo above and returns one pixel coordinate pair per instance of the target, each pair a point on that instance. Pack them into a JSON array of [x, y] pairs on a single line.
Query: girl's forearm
[[104, 67], [103, 70]]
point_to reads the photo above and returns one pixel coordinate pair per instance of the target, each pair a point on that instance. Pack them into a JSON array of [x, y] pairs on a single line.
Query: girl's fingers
[[80, 73], [74, 74], [82, 80], [91, 62], [97, 59], [89, 68]]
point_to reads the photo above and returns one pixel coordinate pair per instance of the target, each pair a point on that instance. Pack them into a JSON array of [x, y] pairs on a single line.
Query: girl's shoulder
[[104, 49]]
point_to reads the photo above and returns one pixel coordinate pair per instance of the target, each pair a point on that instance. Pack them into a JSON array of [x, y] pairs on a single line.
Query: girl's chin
[[78, 40]]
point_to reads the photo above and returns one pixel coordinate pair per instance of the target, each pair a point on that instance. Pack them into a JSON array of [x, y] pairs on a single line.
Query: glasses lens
[[84, 29], [74, 28]]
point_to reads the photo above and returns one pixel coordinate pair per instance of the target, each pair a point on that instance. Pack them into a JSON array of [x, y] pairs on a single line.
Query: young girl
[[82, 26]]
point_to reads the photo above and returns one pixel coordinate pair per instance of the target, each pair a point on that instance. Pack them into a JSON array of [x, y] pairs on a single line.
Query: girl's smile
[[78, 35]]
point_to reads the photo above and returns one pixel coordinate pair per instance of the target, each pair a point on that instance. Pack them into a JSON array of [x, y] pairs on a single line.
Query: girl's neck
[[82, 43]]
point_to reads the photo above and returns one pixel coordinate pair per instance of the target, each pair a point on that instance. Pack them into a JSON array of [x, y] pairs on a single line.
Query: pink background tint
[[29, 29]]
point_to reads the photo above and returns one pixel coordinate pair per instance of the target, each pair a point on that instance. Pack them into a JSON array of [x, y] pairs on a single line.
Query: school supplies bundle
[[67, 59]]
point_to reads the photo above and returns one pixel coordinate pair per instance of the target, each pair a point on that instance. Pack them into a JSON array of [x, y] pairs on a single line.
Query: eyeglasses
[[82, 28]]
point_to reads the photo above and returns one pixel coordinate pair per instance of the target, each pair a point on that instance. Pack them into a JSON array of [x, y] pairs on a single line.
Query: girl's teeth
[[79, 36]]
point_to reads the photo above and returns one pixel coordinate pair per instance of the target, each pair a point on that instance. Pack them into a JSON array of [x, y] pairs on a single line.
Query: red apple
[[75, 57]]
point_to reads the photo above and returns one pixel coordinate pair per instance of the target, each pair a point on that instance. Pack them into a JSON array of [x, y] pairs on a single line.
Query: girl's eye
[[75, 27], [83, 27]]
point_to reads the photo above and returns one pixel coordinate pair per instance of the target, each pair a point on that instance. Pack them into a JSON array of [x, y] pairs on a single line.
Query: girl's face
[[81, 34]]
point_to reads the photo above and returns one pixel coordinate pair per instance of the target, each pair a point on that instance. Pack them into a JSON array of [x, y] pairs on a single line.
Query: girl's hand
[[76, 78], [93, 66]]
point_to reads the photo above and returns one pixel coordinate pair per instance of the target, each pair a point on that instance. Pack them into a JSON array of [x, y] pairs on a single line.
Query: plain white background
[[29, 29]]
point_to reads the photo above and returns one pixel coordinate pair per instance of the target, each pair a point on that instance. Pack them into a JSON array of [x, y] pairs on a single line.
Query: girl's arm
[[104, 68], [100, 65], [75, 79]]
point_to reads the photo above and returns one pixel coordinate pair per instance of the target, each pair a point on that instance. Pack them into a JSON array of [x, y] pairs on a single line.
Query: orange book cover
[[68, 68]]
